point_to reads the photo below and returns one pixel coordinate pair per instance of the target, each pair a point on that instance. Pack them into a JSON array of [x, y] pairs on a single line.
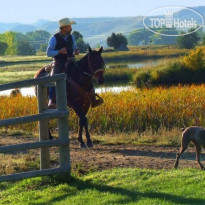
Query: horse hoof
[[83, 145], [90, 144]]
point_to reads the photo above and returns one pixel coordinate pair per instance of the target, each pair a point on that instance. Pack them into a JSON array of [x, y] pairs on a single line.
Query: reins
[[89, 74]]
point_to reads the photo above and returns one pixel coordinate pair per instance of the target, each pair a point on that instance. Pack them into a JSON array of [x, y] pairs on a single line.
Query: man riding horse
[[62, 47]]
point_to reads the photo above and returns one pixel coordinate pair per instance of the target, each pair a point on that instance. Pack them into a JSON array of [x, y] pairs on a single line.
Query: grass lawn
[[8, 77], [117, 186]]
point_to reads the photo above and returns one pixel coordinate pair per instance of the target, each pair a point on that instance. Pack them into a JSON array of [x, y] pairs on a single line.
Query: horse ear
[[101, 49], [90, 49]]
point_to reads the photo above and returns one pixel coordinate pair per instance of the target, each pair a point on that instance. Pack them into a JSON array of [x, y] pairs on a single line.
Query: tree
[[188, 41], [43, 47], [143, 36], [77, 35], [37, 38], [24, 48], [10, 39], [3, 47], [140, 36], [117, 41], [203, 40], [16, 44], [82, 46]]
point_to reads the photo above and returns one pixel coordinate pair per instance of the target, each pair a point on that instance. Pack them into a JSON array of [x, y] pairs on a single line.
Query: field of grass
[[129, 111], [20, 59], [112, 75], [8, 77], [28, 65], [116, 186], [135, 52], [144, 54], [116, 74]]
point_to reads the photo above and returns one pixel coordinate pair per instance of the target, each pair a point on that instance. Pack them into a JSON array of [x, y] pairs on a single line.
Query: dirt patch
[[102, 157], [112, 156]]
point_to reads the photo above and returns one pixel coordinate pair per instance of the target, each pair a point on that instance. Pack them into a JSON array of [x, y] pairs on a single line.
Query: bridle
[[91, 75], [95, 73]]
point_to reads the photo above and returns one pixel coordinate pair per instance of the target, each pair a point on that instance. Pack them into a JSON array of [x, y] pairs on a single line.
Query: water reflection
[[134, 63], [115, 89]]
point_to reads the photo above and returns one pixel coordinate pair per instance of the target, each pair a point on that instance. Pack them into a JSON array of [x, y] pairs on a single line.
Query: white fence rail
[[61, 113]]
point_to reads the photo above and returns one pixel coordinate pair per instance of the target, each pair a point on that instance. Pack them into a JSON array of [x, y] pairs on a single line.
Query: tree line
[[146, 37], [16, 43]]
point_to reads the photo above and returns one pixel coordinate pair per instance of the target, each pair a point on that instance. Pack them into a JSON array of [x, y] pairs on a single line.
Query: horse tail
[[39, 72], [37, 75]]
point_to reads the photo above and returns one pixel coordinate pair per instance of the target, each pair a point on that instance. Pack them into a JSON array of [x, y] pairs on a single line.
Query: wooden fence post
[[43, 126], [43, 117], [63, 133]]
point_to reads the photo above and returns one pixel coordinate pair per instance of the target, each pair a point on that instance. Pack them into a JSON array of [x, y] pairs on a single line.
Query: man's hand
[[63, 51], [76, 52]]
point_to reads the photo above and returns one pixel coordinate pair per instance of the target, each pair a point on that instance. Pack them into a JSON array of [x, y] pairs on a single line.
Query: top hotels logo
[[189, 21]]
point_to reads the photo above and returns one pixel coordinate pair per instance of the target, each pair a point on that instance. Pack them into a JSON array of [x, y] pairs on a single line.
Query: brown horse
[[79, 84]]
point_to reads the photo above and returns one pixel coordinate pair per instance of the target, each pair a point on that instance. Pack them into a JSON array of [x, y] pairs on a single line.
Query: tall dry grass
[[129, 111]]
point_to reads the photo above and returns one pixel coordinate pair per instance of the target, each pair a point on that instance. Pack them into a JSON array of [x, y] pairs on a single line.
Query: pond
[[109, 88], [116, 89], [135, 64]]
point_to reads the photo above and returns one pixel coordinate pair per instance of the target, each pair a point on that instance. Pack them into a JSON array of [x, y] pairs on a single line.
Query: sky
[[26, 11]]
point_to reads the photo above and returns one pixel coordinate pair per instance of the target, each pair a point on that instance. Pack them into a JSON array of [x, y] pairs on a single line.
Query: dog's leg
[[184, 144], [198, 154]]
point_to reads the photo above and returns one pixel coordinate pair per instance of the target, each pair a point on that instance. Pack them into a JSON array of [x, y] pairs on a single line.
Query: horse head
[[96, 65]]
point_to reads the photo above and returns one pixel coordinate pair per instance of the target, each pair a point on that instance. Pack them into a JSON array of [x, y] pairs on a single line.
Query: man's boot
[[95, 102]]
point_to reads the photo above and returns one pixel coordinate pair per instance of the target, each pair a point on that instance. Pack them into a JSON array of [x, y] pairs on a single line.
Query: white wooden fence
[[61, 113]]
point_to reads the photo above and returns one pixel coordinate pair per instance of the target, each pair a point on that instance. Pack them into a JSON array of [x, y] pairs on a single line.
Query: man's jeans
[[58, 68]]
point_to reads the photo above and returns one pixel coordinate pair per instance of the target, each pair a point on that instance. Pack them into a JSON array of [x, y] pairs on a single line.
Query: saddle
[[49, 68]]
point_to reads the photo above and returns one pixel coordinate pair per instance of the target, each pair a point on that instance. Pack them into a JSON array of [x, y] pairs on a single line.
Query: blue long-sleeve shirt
[[51, 52]]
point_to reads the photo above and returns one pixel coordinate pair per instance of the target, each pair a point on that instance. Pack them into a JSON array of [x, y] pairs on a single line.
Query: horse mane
[[82, 59], [80, 63]]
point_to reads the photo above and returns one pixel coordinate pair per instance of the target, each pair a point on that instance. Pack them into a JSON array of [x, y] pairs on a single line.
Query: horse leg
[[80, 133], [82, 119], [184, 144], [198, 154], [89, 141], [50, 136]]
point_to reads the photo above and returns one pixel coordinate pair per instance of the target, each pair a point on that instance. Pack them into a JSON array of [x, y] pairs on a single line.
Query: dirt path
[[112, 156]]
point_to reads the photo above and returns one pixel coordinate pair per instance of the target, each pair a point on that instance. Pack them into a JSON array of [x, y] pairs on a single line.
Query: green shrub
[[142, 79], [190, 69]]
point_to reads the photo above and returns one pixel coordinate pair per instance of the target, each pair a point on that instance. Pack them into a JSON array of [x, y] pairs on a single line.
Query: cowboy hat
[[65, 22]]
